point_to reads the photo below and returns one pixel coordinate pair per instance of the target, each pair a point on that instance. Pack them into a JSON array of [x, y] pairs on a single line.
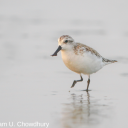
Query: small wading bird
[[80, 58]]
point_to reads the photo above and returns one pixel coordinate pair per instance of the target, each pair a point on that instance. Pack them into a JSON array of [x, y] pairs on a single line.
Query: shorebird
[[80, 58]]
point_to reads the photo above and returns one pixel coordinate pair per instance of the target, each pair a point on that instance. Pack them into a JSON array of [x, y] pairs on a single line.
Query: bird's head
[[65, 42]]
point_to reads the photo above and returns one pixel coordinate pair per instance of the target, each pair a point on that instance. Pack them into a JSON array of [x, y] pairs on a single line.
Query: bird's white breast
[[86, 63]]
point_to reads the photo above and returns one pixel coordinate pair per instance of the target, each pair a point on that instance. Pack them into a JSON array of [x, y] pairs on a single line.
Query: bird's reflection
[[80, 111]]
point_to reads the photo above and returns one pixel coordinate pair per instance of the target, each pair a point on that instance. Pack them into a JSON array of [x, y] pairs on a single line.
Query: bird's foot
[[73, 84]]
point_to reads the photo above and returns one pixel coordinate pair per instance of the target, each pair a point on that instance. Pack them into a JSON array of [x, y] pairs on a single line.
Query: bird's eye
[[66, 41]]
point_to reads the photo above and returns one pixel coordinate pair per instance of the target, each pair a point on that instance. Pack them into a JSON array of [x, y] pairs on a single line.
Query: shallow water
[[35, 87]]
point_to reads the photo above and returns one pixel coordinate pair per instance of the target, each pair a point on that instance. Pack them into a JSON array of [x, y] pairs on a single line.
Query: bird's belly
[[86, 64]]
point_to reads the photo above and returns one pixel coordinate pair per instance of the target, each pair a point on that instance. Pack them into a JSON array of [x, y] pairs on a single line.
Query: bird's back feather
[[107, 61]]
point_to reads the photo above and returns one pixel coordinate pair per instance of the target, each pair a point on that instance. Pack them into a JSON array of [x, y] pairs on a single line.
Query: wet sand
[[36, 87]]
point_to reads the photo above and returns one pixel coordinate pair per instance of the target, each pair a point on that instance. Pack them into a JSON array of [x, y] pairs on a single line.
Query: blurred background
[[36, 87]]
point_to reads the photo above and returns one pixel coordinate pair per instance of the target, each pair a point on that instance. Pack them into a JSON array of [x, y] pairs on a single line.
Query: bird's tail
[[107, 61]]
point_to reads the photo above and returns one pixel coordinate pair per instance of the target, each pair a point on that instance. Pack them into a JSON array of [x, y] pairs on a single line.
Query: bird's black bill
[[58, 49]]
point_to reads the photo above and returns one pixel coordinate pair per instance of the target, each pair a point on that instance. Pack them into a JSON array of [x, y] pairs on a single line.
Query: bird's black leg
[[88, 82], [75, 81]]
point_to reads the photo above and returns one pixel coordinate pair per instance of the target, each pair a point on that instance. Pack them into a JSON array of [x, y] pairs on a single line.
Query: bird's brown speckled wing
[[81, 48]]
